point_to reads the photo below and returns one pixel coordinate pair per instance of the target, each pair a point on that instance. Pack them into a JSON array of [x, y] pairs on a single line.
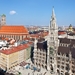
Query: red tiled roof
[[13, 29], [61, 32], [41, 34], [16, 49]]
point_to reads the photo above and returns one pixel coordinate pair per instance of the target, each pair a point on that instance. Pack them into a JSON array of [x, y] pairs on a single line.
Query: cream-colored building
[[13, 57]]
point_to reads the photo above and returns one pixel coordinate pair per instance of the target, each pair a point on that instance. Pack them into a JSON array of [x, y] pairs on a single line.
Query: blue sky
[[38, 12]]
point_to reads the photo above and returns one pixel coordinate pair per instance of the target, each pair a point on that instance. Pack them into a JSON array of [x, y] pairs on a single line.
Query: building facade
[[55, 54], [15, 32], [12, 31], [15, 56]]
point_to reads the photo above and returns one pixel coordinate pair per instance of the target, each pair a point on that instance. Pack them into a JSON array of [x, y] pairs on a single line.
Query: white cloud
[[12, 12]]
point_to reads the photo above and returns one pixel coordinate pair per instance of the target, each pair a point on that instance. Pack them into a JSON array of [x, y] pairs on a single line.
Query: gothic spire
[[53, 14], [52, 18]]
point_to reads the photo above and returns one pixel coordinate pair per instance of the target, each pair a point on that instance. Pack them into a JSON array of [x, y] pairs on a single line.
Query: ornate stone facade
[[56, 54]]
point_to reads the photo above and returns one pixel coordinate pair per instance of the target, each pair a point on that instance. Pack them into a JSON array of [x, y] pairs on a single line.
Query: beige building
[[13, 57]]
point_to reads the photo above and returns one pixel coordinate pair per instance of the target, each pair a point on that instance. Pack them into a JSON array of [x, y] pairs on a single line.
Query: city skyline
[[37, 12]]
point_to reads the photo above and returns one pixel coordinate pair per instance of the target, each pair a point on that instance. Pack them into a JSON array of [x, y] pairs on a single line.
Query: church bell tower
[[3, 20], [52, 44]]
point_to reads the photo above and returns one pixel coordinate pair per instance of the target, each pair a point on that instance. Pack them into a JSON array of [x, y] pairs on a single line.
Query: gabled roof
[[13, 29], [16, 49]]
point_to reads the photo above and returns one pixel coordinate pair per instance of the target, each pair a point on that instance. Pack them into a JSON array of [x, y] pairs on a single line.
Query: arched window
[[58, 53], [67, 55]]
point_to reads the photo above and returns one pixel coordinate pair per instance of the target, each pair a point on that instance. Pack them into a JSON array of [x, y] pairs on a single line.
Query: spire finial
[[53, 14]]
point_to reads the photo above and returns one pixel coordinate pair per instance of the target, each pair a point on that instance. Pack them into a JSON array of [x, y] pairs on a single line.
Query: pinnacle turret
[[53, 14]]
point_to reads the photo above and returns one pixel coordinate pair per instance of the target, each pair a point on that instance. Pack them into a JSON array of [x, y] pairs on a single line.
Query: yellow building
[[13, 57], [70, 29]]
